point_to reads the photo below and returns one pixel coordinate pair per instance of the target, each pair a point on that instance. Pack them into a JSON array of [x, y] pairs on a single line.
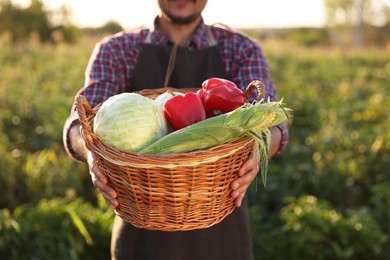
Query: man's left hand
[[246, 175]]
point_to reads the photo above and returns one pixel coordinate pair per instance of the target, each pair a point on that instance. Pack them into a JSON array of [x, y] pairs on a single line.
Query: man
[[180, 51]]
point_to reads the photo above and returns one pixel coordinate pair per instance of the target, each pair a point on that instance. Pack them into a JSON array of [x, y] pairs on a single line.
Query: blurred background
[[327, 196]]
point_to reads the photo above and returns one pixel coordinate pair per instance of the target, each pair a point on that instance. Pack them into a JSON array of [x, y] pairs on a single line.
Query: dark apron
[[191, 66], [227, 240]]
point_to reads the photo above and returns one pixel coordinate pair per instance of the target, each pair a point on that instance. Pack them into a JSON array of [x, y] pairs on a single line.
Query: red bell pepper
[[184, 110], [220, 96], [214, 82]]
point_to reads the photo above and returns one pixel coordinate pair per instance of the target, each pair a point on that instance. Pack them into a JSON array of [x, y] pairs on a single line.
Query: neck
[[178, 33]]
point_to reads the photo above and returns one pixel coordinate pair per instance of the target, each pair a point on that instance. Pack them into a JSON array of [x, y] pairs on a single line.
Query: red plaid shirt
[[112, 64]]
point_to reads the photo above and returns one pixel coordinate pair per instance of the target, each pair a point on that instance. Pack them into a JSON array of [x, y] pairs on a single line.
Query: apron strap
[[148, 38], [171, 65], [171, 62], [210, 37]]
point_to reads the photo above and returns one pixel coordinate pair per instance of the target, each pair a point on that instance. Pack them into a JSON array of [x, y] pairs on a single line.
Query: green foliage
[[56, 229], [313, 226], [35, 98], [309, 37], [33, 22], [337, 158], [327, 196], [111, 27], [357, 20], [353, 12]]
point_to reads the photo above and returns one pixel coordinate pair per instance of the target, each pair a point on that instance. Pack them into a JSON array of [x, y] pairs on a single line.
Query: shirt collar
[[198, 39]]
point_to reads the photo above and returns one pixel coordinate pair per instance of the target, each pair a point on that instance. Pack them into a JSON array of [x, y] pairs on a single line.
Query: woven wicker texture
[[170, 192]]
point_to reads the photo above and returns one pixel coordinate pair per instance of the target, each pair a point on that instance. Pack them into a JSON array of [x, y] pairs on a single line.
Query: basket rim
[[126, 158]]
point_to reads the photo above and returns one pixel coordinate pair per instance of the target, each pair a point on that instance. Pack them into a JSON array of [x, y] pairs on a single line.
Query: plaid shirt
[[112, 64]]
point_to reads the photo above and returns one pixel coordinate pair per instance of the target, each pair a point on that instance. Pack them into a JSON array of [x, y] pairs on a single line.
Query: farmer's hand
[[246, 175], [100, 181]]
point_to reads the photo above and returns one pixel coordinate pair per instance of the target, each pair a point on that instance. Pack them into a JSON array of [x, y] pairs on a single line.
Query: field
[[327, 197]]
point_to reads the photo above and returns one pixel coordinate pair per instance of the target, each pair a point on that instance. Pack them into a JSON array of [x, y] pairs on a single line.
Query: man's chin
[[183, 20], [193, 1]]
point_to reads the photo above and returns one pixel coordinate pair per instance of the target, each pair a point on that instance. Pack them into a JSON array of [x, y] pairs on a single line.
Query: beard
[[181, 20]]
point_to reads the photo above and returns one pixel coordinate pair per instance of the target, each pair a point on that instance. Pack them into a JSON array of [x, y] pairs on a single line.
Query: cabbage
[[130, 122]]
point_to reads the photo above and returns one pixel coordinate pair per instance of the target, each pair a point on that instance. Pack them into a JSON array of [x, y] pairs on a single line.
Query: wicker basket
[[170, 192]]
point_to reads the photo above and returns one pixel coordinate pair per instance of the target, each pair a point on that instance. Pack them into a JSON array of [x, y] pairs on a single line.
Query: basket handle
[[259, 86], [86, 113]]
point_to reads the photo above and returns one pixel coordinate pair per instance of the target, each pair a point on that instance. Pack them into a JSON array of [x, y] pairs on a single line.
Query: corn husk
[[248, 120]]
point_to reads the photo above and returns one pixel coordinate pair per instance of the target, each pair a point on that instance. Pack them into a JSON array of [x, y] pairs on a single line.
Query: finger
[[246, 166], [108, 194], [94, 169], [245, 180], [97, 174], [239, 188], [252, 162], [238, 200], [100, 181], [107, 191], [111, 201], [242, 190], [242, 173]]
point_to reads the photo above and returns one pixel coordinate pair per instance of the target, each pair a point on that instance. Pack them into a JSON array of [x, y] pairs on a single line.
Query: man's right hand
[[100, 181]]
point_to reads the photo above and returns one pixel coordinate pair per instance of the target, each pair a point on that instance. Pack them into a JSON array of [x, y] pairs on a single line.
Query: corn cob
[[250, 119]]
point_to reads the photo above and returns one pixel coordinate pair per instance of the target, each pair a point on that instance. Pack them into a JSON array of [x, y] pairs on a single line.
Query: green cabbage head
[[130, 122]]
